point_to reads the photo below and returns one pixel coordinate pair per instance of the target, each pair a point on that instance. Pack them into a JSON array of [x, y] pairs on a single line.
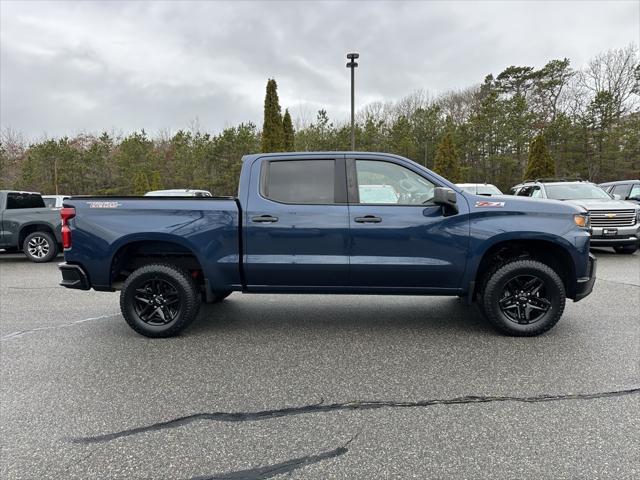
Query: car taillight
[[66, 213]]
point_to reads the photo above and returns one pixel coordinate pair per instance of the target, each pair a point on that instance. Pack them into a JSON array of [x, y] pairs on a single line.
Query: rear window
[[300, 181], [16, 200]]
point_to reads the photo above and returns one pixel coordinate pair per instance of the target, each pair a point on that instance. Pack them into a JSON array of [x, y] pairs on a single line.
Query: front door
[[297, 226], [399, 238]]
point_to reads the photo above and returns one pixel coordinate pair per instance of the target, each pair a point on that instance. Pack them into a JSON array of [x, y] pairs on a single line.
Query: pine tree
[[287, 130], [140, 183], [272, 132], [446, 160], [540, 164], [156, 181]]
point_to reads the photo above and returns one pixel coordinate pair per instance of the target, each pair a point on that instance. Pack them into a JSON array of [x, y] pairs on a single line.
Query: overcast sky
[[70, 67]]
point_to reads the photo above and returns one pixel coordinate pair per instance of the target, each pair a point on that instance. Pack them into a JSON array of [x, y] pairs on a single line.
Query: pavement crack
[[352, 405], [13, 335], [282, 468]]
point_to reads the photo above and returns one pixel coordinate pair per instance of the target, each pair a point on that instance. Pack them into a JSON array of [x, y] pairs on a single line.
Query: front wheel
[[627, 249], [523, 298], [40, 247], [159, 300]]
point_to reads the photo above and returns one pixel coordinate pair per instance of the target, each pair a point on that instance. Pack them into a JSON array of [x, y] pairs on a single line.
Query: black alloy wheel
[[524, 299], [159, 300]]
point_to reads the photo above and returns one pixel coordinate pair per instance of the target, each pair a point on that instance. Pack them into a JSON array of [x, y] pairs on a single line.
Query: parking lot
[[317, 387]]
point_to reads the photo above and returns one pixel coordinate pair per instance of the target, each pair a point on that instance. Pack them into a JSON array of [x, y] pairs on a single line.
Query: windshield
[[576, 191], [488, 190]]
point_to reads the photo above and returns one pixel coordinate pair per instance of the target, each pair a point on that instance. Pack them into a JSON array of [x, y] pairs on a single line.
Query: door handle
[[264, 219], [368, 219]]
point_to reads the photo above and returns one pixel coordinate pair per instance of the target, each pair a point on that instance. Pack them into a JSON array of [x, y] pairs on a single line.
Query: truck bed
[[107, 228]]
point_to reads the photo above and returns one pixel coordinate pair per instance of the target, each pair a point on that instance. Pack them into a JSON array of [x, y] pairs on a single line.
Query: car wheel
[[40, 247], [628, 249], [159, 300], [523, 298]]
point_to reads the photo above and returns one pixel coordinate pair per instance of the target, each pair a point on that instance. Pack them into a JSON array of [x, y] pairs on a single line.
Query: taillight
[[66, 213]]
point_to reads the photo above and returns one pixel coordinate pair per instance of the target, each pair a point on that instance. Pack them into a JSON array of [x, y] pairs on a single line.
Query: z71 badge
[[487, 204], [104, 204]]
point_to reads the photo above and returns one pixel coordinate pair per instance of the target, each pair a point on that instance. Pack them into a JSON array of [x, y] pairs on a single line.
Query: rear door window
[[18, 200], [300, 181]]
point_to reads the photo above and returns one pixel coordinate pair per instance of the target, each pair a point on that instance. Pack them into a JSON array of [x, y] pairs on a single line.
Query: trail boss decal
[[104, 204], [487, 204]]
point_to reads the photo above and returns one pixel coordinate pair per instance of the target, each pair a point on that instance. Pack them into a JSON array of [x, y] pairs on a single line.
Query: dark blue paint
[[320, 248]]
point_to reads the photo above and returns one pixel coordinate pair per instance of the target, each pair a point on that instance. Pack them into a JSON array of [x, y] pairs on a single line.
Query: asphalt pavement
[[317, 387]]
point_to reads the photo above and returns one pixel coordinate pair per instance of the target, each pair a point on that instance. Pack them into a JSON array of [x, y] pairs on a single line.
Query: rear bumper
[[73, 276], [585, 284]]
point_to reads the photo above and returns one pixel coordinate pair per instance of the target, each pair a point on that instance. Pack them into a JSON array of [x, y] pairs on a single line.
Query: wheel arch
[[135, 251], [33, 227], [548, 251]]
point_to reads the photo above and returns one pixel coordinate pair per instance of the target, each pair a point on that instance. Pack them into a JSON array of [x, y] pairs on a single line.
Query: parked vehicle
[[54, 201], [485, 189], [614, 223], [29, 226], [301, 225], [628, 190], [179, 192]]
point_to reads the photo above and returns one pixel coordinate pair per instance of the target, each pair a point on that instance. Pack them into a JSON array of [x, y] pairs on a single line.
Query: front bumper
[[584, 285], [623, 236], [73, 276]]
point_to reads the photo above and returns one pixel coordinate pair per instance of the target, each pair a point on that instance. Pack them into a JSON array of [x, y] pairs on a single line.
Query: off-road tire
[[493, 291], [169, 276], [40, 247]]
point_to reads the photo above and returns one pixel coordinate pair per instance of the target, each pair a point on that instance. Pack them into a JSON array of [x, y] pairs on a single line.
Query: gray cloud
[[91, 66]]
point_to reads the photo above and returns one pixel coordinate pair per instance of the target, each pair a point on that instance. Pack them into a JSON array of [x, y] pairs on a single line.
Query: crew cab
[[614, 223], [336, 223], [27, 225]]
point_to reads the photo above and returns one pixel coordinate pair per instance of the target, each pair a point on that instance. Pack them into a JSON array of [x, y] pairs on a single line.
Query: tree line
[[521, 122]]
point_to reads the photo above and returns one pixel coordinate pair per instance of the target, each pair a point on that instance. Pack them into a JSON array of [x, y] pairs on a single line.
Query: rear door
[[297, 223], [401, 240]]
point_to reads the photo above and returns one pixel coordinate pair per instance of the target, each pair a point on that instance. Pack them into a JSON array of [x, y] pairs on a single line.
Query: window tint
[[24, 200], [525, 192], [300, 181], [388, 183], [50, 202]]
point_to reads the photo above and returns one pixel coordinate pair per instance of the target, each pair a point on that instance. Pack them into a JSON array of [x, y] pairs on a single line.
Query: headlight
[[582, 220]]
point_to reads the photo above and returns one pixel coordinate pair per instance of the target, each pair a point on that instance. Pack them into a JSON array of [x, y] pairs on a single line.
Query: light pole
[[352, 65]]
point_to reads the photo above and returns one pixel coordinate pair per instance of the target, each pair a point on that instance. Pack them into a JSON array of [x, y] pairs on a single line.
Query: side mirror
[[617, 197], [447, 199]]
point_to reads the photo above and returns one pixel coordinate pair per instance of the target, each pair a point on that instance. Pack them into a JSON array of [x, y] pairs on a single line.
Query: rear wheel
[[523, 298], [159, 300], [40, 247], [627, 249]]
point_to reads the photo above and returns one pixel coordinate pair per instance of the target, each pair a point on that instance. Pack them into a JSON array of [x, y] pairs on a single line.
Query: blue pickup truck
[[334, 222]]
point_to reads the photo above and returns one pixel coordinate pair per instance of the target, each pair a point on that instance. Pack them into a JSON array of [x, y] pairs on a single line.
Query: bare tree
[[614, 71]]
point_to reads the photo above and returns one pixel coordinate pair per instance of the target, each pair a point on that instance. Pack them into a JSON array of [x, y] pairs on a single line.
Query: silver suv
[[614, 223]]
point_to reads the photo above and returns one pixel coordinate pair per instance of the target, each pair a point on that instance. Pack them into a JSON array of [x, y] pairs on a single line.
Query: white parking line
[[13, 335]]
